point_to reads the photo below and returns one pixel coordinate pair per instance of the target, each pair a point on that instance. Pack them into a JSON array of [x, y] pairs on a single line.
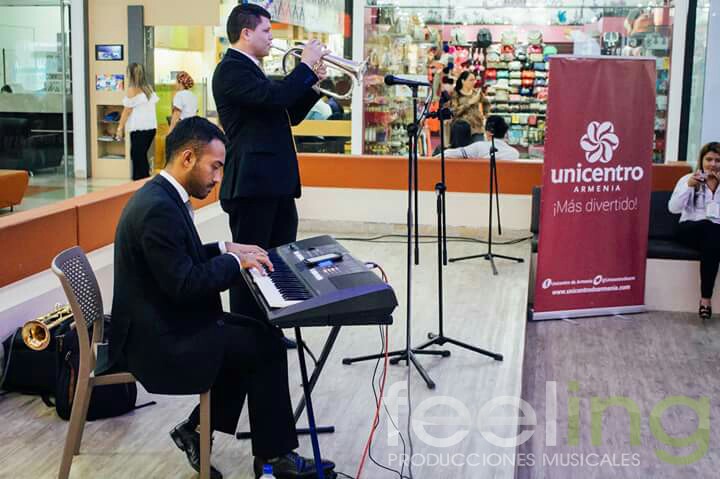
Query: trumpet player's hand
[[321, 71], [313, 52]]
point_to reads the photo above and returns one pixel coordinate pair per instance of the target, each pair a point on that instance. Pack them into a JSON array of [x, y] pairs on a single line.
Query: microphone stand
[[408, 353], [494, 188], [440, 339]]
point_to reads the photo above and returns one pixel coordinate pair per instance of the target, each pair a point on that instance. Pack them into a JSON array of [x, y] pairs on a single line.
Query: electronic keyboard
[[317, 282]]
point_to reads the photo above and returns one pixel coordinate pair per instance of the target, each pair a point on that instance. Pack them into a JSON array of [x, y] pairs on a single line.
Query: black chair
[[663, 232]]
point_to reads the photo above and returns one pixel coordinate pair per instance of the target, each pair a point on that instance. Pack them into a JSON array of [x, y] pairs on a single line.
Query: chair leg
[[85, 407], [75, 428], [205, 435]]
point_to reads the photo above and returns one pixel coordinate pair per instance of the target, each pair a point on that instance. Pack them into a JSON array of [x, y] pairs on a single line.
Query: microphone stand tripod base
[[489, 257], [493, 194]]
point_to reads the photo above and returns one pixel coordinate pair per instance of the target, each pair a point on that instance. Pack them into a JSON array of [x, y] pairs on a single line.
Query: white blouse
[[186, 102], [691, 203], [142, 116]]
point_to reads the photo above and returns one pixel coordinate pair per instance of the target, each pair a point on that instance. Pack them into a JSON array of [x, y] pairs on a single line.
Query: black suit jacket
[[256, 114], [166, 311]]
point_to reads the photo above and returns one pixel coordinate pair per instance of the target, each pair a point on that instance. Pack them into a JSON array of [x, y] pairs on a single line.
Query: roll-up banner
[[596, 187]]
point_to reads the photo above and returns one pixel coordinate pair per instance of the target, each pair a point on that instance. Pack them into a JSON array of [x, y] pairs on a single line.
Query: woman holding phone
[[697, 200]]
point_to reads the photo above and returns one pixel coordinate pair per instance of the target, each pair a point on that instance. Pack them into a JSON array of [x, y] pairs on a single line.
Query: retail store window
[[507, 50]]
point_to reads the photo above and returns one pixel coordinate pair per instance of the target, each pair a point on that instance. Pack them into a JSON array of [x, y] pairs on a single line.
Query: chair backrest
[[663, 224], [535, 212], [81, 288]]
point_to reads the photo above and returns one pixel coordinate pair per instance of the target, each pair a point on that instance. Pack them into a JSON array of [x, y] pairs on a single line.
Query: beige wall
[[107, 24]]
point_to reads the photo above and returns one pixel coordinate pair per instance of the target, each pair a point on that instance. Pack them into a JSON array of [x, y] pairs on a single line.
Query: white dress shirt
[[254, 60], [481, 149], [692, 203], [185, 198]]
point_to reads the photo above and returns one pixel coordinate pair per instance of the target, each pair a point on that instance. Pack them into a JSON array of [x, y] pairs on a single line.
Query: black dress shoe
[[289, 343], [293, 466], [188, 440]]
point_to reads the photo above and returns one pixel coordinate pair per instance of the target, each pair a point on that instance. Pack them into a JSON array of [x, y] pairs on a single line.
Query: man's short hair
[[246, 15], [496, 125], [195, 133]]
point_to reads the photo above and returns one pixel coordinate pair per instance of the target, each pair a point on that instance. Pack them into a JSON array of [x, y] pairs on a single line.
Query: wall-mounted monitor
[[108, 52]]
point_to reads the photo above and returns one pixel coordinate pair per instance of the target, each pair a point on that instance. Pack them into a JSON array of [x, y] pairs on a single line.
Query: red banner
[[596, 187]]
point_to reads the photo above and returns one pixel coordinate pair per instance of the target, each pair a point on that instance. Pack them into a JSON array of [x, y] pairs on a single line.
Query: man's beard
[[196, 188]]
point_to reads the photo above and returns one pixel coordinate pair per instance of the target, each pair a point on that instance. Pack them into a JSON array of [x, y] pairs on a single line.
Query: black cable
[[450, 239], [401, 475], [377, 400]]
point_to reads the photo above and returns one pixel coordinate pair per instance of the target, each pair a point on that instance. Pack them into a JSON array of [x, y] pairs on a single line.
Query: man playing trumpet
[[261, 179]]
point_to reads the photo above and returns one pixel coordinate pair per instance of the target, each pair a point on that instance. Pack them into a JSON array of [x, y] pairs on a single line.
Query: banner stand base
[[583, 313]]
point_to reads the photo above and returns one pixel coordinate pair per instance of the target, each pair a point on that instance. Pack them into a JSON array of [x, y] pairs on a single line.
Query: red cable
[[376, 419]]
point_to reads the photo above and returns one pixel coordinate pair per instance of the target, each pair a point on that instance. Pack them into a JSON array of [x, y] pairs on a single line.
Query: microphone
[[393, 80]]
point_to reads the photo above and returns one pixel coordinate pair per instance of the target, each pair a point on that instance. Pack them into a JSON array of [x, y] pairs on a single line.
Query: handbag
[[483, 39], [535, 37], [458, 36], [508, 37]]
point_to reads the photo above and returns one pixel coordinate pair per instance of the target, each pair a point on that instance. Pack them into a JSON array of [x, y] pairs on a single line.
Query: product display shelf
[[108, 146], [387, 109], [517, 90]]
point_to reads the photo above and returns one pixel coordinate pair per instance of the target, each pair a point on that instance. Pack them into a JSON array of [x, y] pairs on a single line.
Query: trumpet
[[355, 70], [36, 333]]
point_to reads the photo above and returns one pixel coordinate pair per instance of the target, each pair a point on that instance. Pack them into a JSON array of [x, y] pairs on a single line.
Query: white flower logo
[[599, 142]]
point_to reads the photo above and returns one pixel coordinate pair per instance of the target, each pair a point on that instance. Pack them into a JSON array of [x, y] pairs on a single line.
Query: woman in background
[[139, 119], [469, 104], [185, 103], [695, 198]]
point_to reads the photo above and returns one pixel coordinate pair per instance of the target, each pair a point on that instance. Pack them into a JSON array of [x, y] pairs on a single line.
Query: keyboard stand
[[327, 347]]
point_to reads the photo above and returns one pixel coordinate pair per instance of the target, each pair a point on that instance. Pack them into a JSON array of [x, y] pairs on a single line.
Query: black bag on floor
[[25, 370], [106, 401]]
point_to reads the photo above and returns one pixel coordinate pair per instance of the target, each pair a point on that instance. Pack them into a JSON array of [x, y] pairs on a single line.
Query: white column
[[677, 65], [79, 90], [711, 97], [358, 47]]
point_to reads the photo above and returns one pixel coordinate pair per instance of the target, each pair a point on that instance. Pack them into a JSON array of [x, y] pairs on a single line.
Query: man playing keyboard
[[169, 328]]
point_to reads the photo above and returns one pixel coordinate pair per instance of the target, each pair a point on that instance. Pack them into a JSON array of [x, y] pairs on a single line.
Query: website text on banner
[[596, 187]]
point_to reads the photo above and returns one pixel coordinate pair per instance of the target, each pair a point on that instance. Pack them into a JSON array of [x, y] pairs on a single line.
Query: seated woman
[[695, 199]]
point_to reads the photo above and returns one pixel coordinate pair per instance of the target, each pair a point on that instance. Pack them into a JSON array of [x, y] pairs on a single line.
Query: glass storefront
[[437, 42], [697, 92], [35, 96]]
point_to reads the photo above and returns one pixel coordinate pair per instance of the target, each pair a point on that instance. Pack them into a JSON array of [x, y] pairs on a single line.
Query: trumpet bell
[[36, 333], [355, 70]]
